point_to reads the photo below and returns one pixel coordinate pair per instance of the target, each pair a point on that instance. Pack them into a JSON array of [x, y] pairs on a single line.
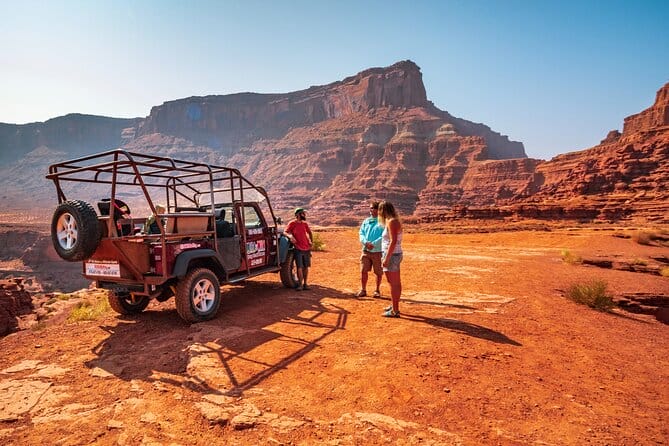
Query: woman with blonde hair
[[391, 246]]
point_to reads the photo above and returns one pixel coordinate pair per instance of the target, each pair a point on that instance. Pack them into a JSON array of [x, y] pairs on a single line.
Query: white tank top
[[385, 241]]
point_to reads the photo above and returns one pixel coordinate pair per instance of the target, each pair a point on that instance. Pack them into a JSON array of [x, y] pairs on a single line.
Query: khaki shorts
[[369, 260]]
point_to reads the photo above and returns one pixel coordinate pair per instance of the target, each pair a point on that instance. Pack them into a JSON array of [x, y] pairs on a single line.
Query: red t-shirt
[[301, 233]]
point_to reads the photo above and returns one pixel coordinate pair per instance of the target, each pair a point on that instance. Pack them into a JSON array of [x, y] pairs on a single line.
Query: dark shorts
[[302, 259], [369, 261], [394, 264]]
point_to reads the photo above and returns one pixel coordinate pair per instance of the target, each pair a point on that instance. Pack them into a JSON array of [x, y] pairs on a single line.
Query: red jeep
[[214, 227]]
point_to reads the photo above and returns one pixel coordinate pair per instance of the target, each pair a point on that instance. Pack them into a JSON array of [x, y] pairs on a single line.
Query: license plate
[[103, 269]]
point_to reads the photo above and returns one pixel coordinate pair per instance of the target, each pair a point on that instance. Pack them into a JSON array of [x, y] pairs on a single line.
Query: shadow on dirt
[[261, 328], [466, 328]]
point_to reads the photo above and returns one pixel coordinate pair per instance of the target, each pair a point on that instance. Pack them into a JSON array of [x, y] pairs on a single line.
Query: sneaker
[[391, 313], [361, 293], [377, 293], [388, 308], [305, 287], [299, 288]]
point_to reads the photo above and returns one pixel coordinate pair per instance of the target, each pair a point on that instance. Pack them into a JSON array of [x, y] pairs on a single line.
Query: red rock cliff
[[652, 118]]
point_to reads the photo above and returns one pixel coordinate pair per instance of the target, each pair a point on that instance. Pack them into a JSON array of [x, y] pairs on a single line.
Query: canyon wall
[[376, 135]]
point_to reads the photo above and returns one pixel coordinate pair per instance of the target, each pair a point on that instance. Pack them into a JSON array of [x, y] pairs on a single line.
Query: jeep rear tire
[[75, 232], [289, 271], [198, 295], [125, 303]]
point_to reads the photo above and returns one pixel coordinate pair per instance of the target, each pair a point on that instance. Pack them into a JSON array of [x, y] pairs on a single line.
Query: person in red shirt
[[299, 233]]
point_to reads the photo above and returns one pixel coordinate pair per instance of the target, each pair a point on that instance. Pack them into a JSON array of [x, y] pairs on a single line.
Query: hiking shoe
[[361, 293], [299, 288], [305, 287], [377, 293], [391, 313]]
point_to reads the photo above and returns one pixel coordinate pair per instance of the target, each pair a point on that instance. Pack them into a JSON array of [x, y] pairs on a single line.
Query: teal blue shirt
[[370, 231]]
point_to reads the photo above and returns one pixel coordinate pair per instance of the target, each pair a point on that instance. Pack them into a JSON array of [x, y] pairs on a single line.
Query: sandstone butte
[[375, 134]]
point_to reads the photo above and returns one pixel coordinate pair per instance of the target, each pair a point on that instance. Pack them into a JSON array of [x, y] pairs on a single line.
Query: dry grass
[[318, 244], [570, 258], [593, 294], [652, 237], [89, 311]]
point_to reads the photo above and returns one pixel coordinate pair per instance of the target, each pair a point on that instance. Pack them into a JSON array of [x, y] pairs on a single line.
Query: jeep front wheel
[[75, 232], [125, 303], [198, 295], [288, 271]]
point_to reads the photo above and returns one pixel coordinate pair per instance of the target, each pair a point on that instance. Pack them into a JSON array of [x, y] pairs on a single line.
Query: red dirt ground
[[488, 351]]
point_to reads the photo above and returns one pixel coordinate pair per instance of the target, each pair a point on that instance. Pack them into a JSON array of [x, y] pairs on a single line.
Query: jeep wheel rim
[[67, 231], [203, 295]]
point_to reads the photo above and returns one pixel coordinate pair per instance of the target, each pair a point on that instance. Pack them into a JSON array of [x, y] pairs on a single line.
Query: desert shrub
[[664, 271], [640, 262], [593, 294], [643, 237], [570, 258], [89, 311], [317, 243], [39, 326], [659, 237]]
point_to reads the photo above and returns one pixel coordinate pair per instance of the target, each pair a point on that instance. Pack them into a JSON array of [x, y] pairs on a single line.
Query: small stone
[[114, 424]]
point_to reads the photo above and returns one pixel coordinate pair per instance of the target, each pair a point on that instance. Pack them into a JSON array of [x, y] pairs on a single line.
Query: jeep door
[[258, 236]]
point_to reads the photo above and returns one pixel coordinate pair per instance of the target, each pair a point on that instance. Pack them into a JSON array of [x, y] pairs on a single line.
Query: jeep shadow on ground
[[260, 329]]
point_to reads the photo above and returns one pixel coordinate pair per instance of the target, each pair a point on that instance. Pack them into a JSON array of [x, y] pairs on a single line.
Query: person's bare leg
[[364, 276], [378, 283], [305, 274], [395, 288], [300, 276]]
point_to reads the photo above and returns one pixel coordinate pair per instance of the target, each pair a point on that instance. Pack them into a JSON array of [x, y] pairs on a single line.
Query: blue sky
[[555, 75]]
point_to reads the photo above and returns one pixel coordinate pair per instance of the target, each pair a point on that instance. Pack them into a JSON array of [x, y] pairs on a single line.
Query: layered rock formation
[[376, 135], [74, 134], [232, 122]]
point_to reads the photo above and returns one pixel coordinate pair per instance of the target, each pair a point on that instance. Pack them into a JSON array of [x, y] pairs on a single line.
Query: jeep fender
[[181, 265]]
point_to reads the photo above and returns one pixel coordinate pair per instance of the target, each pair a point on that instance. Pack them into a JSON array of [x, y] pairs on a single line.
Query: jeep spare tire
[[75, 232], [289, 271]]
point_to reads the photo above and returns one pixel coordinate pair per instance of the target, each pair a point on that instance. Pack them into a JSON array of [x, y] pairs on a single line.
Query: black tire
[[289, 271], [75, 231], [124, 303], [198, 295]]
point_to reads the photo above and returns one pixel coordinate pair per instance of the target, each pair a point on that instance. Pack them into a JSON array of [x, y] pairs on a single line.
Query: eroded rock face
[[375, 135], [653, 118], [14, 302], [75, 134]]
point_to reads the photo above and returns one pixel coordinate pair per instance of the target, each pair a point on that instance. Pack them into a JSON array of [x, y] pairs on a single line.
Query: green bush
[[317, 243], [89, 311], [664, 272], [572, 259], [593, 294]]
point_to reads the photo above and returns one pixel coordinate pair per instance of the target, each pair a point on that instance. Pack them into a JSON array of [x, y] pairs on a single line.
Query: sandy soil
[[488, 351]]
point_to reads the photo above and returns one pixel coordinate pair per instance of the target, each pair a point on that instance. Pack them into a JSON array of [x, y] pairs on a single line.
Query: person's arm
[[289, 232], [376, 243], [393, 230], [311, 236], [361, 233]]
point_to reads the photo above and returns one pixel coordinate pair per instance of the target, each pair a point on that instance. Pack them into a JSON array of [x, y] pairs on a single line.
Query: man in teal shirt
[[370, 239]]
